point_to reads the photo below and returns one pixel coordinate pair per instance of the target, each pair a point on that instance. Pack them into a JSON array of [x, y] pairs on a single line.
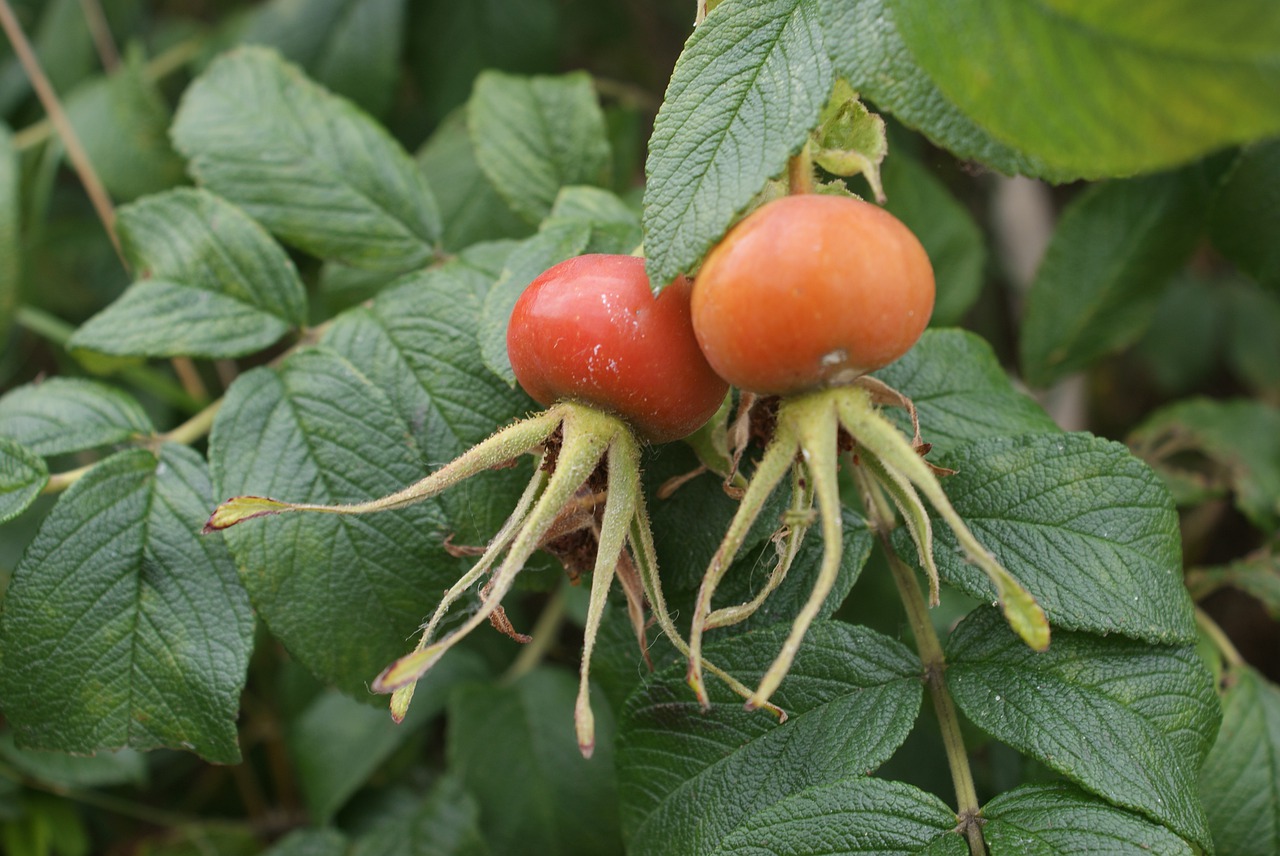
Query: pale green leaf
[[535, 135], [307, 164], [213, 283], [745, 94], [63, 414], [1126, 720], [1104, 89], [23, 474], [122, 625], [1112, 254]]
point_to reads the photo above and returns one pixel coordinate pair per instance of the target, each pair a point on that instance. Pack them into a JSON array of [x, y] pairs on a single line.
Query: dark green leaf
[[1240, 781], [417, 343], [867, 49], [453, 42], [61, 770], [1084, 525], [1246, 210], [213, 283], [691, 779], [122, 625], [10, 232], [513, 746], [123, 121], [23, 474], [951, 238], [1123, 719], [446, 823], [1182, 345], [343, 593], [62, 414], [352, 47], [62, 44], [338, 743], [849, 816], [1253, 348], [1239, 438], [470, 208], [311, 167], [1052, 820], [310, 842], [1112, 254], [1104, 88], [535, 135], [744, 95], [961, 392]]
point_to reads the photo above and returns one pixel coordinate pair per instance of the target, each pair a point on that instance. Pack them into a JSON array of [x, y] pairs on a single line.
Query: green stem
[[543, 636], [194, 428], [1219, 638], [800, 171], [44, 324]]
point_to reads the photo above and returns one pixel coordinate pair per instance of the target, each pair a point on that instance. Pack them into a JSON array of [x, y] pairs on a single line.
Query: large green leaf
[[343, 593], [1126, 720], [1049, 820], [945, 228], [692, 780], [1084, 525], [337, 743], [10, 232], [23, 474], [743, 97], [1103, 88], [961, 392], [122, 625], [1245, 211], [212, 282], [470, 207], [513, 747], [1240, 781], [350, 46], [445, 823], [1241, 440], [311, 167], [122, 121], [866, 48], [63, 414], [417, 343], [1113, 252], [122, 767], [535, 135]]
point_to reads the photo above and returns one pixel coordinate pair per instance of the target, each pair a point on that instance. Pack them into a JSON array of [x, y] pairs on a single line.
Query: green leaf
[[1104, 88], [1240, 780], [1183, 343], [1111, 256], [308, 165], [851, 816], [62, 44], [1245, 211], [10, 232], [310, 842], [451, 43], [470, 208], [1240, 440], [535, 135], [690, 778], [1253, 348], [867, 49], [945, 228], [62, 414], [743, 97], [352, 47], [1079, 521], [445, 823], [513, 747], [961, 392], [23, 474], [338, 743], [60, 770], [122, 626], [417, 343], [213, 283], [343, 593], [123, 121], [1125, 720], [1048, 820], [1257, 576]]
